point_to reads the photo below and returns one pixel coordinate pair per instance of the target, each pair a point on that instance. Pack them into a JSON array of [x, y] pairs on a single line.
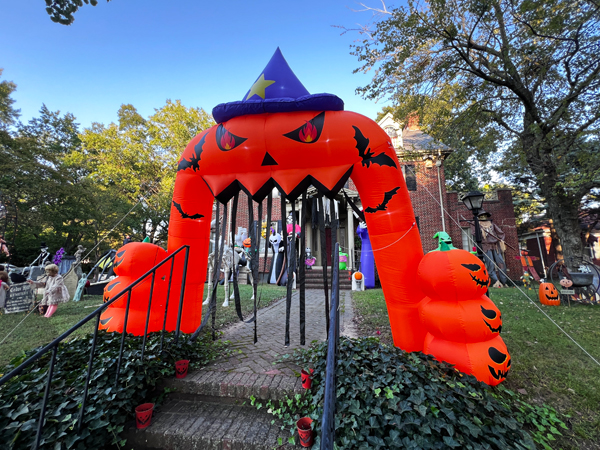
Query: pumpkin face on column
[[453, 275], [549, 294], [463, 325], [465, 321], [131, 262]]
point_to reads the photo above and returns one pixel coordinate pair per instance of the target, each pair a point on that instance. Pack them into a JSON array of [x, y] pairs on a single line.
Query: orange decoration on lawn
[[548, 294]]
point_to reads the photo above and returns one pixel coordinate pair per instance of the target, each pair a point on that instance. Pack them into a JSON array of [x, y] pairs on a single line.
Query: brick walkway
[[258, 358]]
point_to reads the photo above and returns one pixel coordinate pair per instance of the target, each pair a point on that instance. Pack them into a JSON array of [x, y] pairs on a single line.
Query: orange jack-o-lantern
[[358, 276], [549, 294], [131, 262], [566, 283], [453, 275], [247, 243]]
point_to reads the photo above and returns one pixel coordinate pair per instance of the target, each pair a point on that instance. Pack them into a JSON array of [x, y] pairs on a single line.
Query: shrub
[[107, 408], [387, 398]]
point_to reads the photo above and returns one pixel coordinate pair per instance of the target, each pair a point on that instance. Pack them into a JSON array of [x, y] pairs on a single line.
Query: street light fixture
[[474, 201]]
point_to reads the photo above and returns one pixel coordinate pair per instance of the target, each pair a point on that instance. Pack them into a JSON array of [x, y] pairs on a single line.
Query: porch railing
[[328, 421], [53, 346]]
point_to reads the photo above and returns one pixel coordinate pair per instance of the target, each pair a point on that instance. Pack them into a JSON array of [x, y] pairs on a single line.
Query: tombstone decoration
[[20, 298]]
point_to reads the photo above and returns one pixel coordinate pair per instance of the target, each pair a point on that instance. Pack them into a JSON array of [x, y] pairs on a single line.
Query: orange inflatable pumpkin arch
[[321, 146]]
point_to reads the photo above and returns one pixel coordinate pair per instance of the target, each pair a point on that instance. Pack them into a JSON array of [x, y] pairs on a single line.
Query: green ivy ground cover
[[547, 367], [388, 399], [108, 408]]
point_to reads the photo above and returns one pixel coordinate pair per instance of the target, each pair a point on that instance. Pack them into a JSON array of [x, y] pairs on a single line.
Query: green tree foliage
[[8, 114], [518, 81], [137, 158], [61, 11]]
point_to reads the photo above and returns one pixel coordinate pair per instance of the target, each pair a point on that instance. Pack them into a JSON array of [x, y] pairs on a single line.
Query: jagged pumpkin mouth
[[479, 281], [258, 193]]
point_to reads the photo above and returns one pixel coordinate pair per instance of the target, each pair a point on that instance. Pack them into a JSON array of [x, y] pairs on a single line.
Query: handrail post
[[162, 335], [179, 313], [329, 407], [123, 337], [148, 315], [89, 374], [38, 436]]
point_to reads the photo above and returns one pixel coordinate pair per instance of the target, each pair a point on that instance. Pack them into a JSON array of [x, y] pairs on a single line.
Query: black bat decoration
[[386, 199], [184, 215], [362, 144], [195, 159]]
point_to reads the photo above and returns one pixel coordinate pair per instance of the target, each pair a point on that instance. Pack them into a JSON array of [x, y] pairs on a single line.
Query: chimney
[[412, 122]]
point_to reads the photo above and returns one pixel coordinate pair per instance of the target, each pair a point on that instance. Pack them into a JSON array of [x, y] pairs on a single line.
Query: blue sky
[[146, 51]]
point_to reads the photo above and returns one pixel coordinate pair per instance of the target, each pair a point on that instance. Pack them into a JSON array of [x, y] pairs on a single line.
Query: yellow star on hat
[[259, 87]]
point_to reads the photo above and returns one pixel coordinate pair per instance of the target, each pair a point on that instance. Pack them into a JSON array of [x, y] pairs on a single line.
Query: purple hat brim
[[315, 102]]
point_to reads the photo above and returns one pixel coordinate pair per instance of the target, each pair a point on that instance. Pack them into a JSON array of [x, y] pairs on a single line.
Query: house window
[[408, 170]]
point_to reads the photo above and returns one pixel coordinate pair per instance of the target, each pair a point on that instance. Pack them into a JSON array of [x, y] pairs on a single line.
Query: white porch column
[[350, 232]]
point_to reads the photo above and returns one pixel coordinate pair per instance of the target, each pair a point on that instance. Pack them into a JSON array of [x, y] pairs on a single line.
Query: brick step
[[189, 425], [235, 387]]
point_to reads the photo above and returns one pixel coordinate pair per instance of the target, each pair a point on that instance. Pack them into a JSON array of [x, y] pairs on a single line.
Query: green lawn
[[547, 367], [36, 330]]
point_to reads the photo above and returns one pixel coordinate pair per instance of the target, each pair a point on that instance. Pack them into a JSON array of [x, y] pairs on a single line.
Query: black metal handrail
[[328, 421], [53, 346]]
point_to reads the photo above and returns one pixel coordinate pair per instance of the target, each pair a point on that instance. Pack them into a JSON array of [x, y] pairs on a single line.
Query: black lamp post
[[474, 201]]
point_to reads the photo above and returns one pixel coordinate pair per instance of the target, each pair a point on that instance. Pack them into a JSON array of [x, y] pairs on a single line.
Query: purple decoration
[[285, 82], [58, 256], [277, 89], [367, 260]]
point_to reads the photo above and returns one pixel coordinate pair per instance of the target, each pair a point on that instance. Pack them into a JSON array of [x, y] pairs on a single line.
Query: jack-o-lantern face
[[500, 363], [548, 294], [492, 319], [453, 275], [131, 262], [470, 320], [481, 279], [566, 283], [301, 149]]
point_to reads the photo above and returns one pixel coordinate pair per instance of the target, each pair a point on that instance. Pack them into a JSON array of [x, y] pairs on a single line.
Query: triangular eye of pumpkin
[[489, 313], [472, 267], [310, 132], [496, 355], [227, 141]]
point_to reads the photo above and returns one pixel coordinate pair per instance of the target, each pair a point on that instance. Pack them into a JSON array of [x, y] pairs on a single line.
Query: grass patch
[[37, 330], [547, 367]]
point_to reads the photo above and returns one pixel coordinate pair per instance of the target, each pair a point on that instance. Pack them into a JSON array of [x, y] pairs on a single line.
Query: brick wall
[[503, 215]]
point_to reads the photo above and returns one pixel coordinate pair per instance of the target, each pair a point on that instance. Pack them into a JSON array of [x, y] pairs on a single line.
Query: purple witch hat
[[276, 90]]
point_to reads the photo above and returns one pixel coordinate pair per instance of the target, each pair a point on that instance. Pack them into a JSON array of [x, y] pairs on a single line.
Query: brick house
[[421, 158]]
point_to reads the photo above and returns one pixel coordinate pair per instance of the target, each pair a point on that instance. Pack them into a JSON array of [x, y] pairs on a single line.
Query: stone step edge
[[241, 386], [175, 426]]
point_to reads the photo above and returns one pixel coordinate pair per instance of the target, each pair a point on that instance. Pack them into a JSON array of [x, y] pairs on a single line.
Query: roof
[[416, 140]]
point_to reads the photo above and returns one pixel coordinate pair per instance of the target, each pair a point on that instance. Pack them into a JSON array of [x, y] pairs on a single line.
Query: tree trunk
[[564, 212], [563, 208]]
